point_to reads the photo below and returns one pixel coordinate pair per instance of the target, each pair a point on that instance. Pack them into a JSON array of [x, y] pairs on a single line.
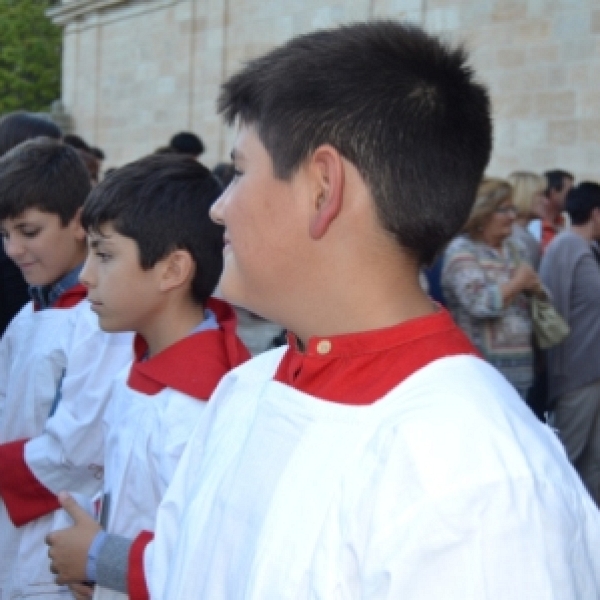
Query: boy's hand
[[81, 591], [68, 548]]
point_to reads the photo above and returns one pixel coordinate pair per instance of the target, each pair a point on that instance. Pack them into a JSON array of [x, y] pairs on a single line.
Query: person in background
[[224, 172], [571, 272], [530, 203], [486, 278], [16, 128], [91, 164], [98, 153], [76, 141], [188, 143], [555, 220]]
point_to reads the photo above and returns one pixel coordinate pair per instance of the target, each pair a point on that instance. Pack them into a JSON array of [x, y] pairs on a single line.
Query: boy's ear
[[178, 268], [327, 170], [79, 231]]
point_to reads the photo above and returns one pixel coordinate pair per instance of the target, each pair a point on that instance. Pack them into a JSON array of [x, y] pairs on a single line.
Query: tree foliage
[[30, 56]]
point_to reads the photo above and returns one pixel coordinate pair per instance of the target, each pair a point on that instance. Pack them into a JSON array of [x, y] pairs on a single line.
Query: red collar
[[69, 298], [193, 365], [360, 368]]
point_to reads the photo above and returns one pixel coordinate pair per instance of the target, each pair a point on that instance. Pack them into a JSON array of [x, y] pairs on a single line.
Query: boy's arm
[[68, 454], [119, 561], [24, 496]]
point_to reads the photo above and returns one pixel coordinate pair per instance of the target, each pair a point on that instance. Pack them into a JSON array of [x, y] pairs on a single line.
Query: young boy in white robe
[[56, 364], [376, 456], [155, 257]]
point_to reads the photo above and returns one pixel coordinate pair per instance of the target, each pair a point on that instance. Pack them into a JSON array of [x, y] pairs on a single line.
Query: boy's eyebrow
[[19, 224], [97, 242]]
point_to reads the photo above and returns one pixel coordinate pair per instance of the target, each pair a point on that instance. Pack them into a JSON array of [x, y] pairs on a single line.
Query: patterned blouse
[[471, 279]]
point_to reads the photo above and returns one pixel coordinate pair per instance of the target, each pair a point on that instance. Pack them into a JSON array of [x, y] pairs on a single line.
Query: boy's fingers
[[73, 509], [81, 590]]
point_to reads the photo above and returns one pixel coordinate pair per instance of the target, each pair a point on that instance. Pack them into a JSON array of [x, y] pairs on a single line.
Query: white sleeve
[[69, 453]]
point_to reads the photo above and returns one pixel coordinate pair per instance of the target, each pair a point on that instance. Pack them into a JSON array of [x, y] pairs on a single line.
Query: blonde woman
[[484, 279], [530, 201]]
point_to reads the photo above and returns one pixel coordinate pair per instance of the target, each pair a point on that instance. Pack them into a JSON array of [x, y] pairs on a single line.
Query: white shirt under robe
[[56, 368]]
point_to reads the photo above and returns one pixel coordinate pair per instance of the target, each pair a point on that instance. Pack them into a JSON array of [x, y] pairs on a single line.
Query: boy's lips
[[94, 303], [26, 265]]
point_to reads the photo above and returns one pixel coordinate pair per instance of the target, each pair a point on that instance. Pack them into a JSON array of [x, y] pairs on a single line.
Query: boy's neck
[[174, 322], [45, 296], [374, 309]]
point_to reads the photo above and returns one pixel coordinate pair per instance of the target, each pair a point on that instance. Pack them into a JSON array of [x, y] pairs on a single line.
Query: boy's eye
[[103, 256], [237, 173], [30, 233]]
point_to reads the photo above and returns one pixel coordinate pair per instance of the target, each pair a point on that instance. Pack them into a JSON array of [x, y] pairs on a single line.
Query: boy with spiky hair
[[376, 456], [55, 362], [155, 257]]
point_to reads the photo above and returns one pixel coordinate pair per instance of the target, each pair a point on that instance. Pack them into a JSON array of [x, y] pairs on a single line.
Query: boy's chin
[[38, 281], [108, 326]]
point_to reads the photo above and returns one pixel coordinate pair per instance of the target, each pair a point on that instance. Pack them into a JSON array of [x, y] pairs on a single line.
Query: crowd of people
[[235, 383], [535, 236]]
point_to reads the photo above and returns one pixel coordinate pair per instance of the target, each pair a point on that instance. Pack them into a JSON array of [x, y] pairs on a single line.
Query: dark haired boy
[[55, 362], [155, 258], [376, 456], [15, 128]]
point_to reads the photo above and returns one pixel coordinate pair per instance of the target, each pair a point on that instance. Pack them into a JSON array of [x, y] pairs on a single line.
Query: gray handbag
[[549, 327]]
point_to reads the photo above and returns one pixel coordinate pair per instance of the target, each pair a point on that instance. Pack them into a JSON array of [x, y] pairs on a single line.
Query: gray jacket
[[571, 272]]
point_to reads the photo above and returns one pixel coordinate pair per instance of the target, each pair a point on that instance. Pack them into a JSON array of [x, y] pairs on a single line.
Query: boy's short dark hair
[[398, 103], [581, 201], [556, 179], [44, 174], [187, 143], [20, 126], [162, 202]]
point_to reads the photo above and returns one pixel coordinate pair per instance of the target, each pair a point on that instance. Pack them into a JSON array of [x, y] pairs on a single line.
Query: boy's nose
[[85, 276], [215, 210], [13, 247]]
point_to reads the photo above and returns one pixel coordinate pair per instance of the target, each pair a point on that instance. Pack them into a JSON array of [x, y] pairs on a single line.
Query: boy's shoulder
[[195, 364], [33, 324], [259, 368]]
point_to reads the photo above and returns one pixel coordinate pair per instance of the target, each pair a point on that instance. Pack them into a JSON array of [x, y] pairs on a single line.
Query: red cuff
[[25, 498], [136, 580]]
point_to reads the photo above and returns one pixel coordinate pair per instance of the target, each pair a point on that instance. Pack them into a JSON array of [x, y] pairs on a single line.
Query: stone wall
[[135, 72]]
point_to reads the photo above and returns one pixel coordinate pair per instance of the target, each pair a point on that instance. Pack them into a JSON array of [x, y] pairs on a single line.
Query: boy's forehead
[[103, 232], [247, 143], [28, 215]]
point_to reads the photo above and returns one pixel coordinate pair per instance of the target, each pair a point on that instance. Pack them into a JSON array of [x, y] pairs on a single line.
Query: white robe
[[38, 351], [145, 437], [447, 488]]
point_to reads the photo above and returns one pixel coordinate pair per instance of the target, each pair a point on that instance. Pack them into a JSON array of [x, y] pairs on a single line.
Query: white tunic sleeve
[[68, 454]]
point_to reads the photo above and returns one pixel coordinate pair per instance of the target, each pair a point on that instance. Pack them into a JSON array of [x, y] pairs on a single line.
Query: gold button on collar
[[324, 347]]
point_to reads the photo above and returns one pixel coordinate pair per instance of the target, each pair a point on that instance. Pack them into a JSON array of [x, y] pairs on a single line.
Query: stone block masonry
[[137, 71]]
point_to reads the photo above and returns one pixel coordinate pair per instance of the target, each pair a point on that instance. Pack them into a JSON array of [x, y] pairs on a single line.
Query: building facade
[[137, 71]]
